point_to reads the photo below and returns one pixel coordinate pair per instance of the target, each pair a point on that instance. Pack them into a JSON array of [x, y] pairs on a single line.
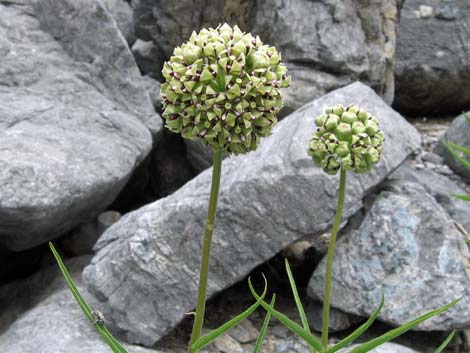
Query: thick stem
[[206, 250], [329, 262]]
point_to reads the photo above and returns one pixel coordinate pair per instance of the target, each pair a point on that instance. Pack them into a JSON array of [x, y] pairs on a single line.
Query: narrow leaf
[[455, 150], [390, 335], [445, 343], [300, 308], [464, 150], [359, 331], [211, 336], [115, 346], [291, 325], [264, 327], [462, 197]]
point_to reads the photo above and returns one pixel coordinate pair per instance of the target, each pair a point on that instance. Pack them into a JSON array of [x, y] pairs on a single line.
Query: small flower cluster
[[347, 137], [223, 88]]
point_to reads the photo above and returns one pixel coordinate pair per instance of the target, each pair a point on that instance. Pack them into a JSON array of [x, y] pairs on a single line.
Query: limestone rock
[[408, 246], [432, 57], [74, 117]]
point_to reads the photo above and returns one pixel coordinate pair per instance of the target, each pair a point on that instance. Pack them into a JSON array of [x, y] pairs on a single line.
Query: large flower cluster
[[223, 88], [346, 137]]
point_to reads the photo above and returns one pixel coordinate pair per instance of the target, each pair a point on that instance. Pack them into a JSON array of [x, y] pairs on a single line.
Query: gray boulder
[[326, 44], [146, 265], [441, 187], [44, 317], [408, 246], [74, 117], [459, 133], [431, 63]]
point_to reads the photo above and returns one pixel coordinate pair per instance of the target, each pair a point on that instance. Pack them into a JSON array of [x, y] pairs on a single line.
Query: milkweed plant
[[223, 88]]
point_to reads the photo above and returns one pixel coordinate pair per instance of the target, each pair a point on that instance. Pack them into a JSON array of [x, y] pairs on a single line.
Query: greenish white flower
[[223, 88], [346, 137]]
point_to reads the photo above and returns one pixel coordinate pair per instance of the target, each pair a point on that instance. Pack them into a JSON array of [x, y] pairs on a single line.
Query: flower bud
[[191, 53], [348, 138], [344, 132], [331, 122], [338, 109]]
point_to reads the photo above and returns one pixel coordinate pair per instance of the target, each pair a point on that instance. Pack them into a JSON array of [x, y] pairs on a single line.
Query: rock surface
[[121, 11], [146, 265], [74, 117], [329, 44], [384, 348], [146, 55], [45, 318], [408, 246], [432, 57], [459, 133], [441, 187], [325, 44], [339, 321]]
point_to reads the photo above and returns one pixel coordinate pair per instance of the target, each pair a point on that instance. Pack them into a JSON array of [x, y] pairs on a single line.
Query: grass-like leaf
[[291, 325], [211, 336], [445, 343], [390, 335], [115, 346], [264, 327], [300, 308], [298, 302], [457, 151], [359, 331], [462, 197], [464, 150]]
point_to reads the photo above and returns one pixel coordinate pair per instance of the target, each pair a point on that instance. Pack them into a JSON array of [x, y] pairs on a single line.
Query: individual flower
[[223, 88], [346, 137]]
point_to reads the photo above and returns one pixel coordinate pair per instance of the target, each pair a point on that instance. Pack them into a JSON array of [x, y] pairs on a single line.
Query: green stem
[[206, 250], [329, 262]]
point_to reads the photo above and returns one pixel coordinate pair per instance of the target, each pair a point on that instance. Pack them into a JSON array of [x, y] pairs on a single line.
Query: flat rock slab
[[75, 119], [45, 318], [147, 264], [408, 246]]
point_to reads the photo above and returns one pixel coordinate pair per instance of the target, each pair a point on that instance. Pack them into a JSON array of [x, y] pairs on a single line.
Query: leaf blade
[[295, 293], [369, 345], [211, 336], [264, 328], [455, 150], [291, 325], [462, 197], [359, 331], [115, 346], [445, 343]]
